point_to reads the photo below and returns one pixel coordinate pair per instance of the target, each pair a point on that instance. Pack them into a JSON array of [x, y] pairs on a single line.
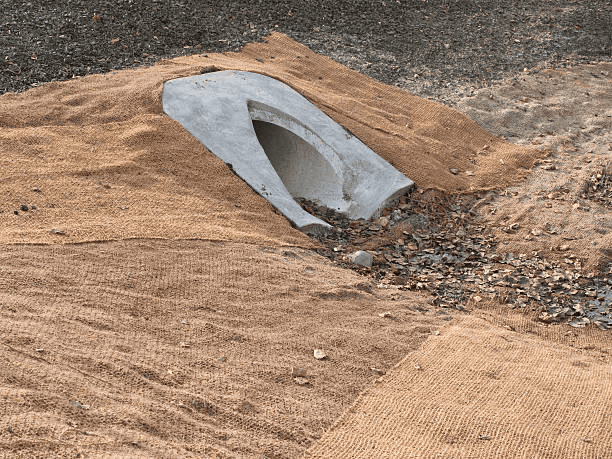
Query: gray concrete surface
[[283, 146]]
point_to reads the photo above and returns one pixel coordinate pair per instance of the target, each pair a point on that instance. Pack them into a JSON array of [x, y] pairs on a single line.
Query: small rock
[[36, 189], [297, 372], [579, 323], [60, 232], [319, 354], [377, 372], [361, 258], [78, 404], [385, 315], [301, 381], [545, 317], [23, 207], [454, 171], [446, 45], [221, 359]]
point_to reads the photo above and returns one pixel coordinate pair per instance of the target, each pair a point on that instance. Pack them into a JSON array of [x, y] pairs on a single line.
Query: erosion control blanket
[[477, 392], [100, 160], [153, 305]]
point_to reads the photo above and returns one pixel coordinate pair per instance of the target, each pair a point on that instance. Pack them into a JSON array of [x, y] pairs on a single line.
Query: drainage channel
[[434, 243]]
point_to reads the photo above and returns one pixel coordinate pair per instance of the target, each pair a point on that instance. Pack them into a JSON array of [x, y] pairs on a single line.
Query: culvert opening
[[304, 171]]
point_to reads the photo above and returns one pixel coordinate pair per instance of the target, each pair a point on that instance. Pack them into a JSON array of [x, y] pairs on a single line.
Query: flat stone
[[361, 258]]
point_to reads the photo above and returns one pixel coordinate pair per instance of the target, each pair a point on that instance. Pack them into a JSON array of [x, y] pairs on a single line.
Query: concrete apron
[[283, 146]]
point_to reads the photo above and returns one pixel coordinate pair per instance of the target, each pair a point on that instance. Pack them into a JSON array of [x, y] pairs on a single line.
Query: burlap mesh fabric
[[152, 305], [110, 165], [477, 391]]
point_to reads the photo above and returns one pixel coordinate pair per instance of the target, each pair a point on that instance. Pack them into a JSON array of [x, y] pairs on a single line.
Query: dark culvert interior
[[304, 171]]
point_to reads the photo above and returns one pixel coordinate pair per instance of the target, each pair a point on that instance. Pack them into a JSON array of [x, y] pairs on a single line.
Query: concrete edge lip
[[283, 146]]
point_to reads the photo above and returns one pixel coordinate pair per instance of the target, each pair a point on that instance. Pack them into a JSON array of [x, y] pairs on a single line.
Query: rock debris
[[435, 243]]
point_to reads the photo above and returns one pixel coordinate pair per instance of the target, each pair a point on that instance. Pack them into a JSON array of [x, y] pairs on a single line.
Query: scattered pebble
[[301, 381], [449, 254], [361, 258], [78, 404], [319, 354]]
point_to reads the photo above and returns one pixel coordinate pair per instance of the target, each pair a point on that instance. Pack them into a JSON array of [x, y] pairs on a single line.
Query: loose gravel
[[437, 243], [434, 48]]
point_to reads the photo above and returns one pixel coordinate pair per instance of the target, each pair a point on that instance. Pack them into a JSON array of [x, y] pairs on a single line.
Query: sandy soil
[[569, 113]]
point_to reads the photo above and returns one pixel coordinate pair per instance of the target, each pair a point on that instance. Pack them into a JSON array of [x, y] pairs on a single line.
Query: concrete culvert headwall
[[283, 146]]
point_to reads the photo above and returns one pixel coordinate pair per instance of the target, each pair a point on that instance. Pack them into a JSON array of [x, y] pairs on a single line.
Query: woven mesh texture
[[110, 165], [477, 391], [170, 310]]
